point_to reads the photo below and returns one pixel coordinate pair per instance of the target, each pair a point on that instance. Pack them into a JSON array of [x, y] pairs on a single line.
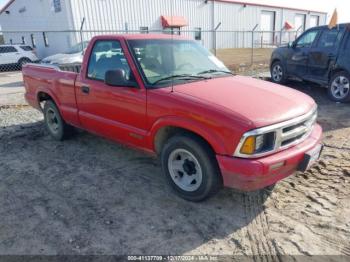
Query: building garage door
[[314, 20], [300, 23], [267, 26]]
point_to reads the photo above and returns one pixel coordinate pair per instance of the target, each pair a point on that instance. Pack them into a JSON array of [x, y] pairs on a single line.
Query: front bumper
[[253, 174]]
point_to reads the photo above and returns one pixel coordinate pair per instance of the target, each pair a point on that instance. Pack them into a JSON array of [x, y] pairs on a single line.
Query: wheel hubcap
[[277, 73], [185, 170], [340, 87], [52, 120]]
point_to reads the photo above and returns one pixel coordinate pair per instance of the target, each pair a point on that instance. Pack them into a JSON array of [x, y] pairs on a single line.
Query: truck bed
[[57, 83]]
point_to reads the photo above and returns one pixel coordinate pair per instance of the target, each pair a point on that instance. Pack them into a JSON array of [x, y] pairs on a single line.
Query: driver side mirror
[[291, 44], [117, 77]]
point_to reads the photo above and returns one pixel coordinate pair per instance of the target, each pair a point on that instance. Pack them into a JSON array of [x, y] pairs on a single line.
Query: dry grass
[[239, 59]]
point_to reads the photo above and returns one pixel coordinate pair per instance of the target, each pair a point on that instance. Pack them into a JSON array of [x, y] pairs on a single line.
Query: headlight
[[256, 144], [269, 139]]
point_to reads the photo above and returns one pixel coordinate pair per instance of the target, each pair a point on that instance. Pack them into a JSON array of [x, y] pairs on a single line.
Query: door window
[[330, 38], [107, 55], [7, 49], [307, 39]]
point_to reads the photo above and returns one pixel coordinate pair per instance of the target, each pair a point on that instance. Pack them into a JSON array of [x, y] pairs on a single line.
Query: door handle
[[85, 89]]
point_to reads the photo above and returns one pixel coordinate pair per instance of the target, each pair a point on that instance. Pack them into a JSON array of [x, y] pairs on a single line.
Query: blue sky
[[2, 2]]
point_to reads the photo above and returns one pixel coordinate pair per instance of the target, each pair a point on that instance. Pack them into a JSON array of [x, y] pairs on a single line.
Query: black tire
[[270, 188], [335, 80], [56, 127], [278, 73], [211, 180], [23, 61]]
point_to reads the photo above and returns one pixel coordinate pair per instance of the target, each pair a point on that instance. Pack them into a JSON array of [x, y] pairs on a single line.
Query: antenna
[[81, 35], [171, 45]]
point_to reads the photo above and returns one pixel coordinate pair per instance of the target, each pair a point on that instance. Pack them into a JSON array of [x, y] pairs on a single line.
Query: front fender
[[198, 128], [278, 55]]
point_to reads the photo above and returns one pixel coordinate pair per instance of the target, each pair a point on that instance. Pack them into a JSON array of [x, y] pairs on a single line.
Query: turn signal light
[[248, 146]]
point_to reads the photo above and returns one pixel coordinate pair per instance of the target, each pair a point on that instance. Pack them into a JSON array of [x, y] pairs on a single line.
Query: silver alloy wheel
[[185, 170], [340, 87], [277, 73], [52, 120]]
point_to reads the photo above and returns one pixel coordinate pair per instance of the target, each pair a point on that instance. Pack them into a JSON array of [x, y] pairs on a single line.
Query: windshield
[[77, 48], [173, 61]]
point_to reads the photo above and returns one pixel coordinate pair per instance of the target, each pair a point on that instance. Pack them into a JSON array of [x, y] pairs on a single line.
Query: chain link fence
[[239, 50]]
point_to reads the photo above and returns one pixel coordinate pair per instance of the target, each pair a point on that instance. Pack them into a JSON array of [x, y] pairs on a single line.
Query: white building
[[37, 22]]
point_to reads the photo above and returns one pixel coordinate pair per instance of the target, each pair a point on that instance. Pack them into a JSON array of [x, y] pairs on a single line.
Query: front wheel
[[278, 73], [190, 168], [339, 87]]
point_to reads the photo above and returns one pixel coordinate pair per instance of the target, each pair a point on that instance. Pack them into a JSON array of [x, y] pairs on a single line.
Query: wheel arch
[[165, 129], [23, 58], [44, 95], [335, 71], [274, 60]]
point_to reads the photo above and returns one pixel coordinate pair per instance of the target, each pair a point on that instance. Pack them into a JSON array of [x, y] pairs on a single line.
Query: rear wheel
[[339, 87], [190, 168], [55, 125], [23, 61], [278, 73]]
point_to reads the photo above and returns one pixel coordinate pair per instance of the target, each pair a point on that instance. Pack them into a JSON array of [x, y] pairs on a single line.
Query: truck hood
[[261, 102]]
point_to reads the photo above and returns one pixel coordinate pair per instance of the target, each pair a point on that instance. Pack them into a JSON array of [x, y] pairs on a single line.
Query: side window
[[7, 49], [198, 33], [330, 38], [307, 39], [26, 48], [107, 55]]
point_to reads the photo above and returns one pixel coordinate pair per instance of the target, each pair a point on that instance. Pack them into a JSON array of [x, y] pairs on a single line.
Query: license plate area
[[310, 158]]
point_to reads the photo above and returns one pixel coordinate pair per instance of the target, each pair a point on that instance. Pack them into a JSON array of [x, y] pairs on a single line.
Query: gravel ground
[[88, 195]]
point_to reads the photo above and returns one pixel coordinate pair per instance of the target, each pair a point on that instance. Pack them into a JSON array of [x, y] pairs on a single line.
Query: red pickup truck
[[170, 96]]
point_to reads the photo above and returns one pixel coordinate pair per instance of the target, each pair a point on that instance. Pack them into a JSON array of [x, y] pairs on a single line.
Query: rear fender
[[50, 93]]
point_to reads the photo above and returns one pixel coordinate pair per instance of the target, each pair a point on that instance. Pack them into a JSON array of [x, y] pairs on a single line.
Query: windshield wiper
[[188, 76], [214, 71]]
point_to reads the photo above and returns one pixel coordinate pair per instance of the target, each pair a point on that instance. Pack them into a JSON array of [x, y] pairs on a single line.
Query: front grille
[[286, 134], [297, 131]]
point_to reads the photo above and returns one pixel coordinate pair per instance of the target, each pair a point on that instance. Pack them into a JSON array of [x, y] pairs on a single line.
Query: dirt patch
[[88, 195], [239, 60]]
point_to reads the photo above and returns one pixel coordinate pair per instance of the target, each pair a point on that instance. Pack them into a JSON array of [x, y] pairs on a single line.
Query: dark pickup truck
[[320, 55]]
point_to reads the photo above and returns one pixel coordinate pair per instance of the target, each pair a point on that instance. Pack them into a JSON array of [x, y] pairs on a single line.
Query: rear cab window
[[107, 55]]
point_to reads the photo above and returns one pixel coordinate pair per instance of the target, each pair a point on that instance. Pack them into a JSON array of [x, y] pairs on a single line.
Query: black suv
[[320, 55]]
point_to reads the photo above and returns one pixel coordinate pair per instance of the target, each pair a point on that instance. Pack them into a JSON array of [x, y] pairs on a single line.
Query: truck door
[[116, 112], [324, 54], [297, 60]]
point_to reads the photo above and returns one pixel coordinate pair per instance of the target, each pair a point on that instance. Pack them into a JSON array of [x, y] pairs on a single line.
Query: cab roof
[[142, 36], [347, 25]]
